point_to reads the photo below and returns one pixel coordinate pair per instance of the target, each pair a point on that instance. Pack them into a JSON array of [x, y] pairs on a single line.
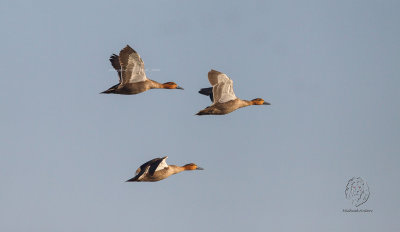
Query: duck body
[[161, 174], [134, 88], [132, 76], [157, 169], [224, 108]]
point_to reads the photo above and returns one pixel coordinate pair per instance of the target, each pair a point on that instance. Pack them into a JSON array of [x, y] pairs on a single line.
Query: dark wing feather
[[144, 167], [114, 59], [207, 92], [154, 165]]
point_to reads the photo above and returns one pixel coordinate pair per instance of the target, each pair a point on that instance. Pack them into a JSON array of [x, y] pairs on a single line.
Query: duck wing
[[149, 168], [158, 164], [214, 77], [222, 87], [142, 171], [207, 92], [132, 66], [114, 59]]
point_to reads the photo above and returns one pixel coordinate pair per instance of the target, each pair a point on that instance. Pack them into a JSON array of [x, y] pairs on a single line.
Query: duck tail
[[108, 91], [203, 112], [134, 179], [111, 90]]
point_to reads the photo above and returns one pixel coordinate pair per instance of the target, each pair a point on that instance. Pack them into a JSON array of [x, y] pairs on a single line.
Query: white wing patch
[[223, 78], [223, 91], [162, 165], [137, 74], [144, 173]]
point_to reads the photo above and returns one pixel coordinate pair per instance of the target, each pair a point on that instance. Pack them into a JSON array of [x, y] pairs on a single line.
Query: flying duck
[[222, 95], [132, 76], [157, 169]]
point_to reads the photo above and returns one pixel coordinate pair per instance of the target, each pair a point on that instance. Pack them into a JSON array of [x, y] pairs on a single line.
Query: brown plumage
[[132, 76], [157, 169], [223, 97]]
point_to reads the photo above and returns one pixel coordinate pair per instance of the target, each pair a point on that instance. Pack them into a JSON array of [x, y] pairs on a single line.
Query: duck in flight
[[222, 95], [132, 76], [157, 169]]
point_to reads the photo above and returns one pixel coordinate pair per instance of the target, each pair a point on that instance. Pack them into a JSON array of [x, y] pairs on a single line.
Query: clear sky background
[[330, 69]]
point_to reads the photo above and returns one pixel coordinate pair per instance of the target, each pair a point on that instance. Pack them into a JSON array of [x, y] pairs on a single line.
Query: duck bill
[[179, 88], [266, 103], [199, 168]]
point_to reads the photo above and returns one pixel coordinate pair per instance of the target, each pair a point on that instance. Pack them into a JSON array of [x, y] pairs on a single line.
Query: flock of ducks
[[133, 80]]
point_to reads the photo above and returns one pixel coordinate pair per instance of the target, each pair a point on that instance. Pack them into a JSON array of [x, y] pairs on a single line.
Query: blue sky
[[329, 68]]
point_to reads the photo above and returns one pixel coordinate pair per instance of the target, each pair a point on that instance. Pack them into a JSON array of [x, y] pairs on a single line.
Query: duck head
[[259, 101], [192, 166], [171, 85]]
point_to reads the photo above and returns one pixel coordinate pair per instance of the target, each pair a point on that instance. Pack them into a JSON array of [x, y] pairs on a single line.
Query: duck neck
[[244, 103], [176, 169], [156, 85]]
